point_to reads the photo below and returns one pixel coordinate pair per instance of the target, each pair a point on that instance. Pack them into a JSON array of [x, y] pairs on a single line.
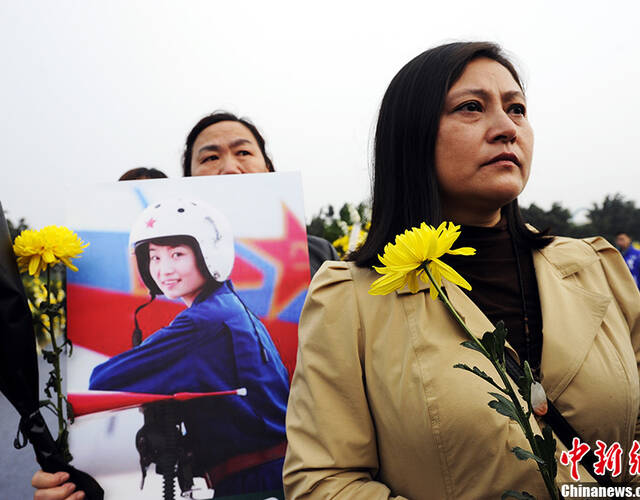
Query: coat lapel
[[472, 316], [571, 315]]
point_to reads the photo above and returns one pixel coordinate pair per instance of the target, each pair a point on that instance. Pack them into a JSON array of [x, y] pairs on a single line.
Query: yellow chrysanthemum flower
[[342, 244], [403, 261], [36, 250]]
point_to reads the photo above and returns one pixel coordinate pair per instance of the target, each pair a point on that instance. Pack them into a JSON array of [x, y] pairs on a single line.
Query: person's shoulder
[[333, 271], [585, 246], [570, 255], [219, 302], [342, 277], [207, 314], [182, 324]]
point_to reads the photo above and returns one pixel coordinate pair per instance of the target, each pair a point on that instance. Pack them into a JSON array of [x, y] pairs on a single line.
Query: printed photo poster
[[183, 317]]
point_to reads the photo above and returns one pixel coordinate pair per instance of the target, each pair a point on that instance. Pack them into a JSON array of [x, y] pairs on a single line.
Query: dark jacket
[[319, 251]]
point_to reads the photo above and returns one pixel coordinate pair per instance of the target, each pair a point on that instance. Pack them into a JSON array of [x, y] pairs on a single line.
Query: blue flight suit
[[216, 344]]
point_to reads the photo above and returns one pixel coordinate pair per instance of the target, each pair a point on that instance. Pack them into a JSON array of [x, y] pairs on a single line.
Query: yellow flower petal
[[452, 275], [34, 265], [387, 284], [48, 256], [412, 282], [462, 251], [403, 261], [37, 250]]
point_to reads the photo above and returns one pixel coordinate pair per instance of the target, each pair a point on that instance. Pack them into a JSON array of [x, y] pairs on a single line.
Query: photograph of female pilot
[[184, 250], [377, 410]]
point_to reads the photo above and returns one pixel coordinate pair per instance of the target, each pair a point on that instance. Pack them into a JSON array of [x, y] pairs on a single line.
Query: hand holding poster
[[209, 274]]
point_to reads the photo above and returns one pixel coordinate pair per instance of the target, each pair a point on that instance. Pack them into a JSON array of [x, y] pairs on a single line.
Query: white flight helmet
[[190, 218]]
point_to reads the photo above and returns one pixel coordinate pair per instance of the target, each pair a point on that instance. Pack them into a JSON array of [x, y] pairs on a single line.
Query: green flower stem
[[522, 419], [56, 366]]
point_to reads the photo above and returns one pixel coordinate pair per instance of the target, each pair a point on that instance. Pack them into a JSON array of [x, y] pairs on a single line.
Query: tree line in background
[[612, 215], [16, 229]]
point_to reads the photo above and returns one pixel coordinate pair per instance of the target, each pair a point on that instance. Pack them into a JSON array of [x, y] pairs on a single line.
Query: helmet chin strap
[[136, 336]]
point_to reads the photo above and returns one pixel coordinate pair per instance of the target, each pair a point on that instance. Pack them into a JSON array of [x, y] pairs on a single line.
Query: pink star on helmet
[[151, 222]]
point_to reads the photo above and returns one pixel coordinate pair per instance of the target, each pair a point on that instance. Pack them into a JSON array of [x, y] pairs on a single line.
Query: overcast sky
[[90, 89]]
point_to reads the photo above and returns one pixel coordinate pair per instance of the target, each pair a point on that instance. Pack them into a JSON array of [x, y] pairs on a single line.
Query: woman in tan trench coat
[[376, 408]]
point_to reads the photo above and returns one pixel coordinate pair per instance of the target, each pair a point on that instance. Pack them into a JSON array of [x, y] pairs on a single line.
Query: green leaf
[[477, 371], [62, 443], [470, 344], [70, 344], [523, 454], [527, 371], [503, 406], [50, 308], [499, 336], [547, 446], [51, 383], [44, 403], [524, 385], [524, 388], [49, 356], [493, 342], [519, 496], [70, 413], [488, 341], [462, 366]]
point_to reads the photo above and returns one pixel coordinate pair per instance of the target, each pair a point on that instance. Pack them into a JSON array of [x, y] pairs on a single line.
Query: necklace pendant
[[538, 399]]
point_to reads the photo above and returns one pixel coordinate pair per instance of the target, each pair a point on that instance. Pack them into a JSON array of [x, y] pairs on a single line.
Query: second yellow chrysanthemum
[[403, 261], [52, 244]]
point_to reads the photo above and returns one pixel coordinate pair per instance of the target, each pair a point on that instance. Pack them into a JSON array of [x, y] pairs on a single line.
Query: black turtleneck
[[499, 281]]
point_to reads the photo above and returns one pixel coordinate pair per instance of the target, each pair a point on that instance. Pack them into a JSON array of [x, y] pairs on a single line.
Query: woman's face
[[226, 148], [484, 144], [175, 271]]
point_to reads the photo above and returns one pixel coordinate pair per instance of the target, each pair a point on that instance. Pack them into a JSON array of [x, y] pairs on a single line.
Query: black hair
[[405, 187], [142, 173], [212, 119], [142, 258]]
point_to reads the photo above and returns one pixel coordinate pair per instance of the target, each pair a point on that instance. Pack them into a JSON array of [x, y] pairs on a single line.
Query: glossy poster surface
[[194, 398]]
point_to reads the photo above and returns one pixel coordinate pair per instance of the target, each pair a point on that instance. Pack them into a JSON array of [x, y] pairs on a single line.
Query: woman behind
[[223, 144], [376, 408], [184, 249]]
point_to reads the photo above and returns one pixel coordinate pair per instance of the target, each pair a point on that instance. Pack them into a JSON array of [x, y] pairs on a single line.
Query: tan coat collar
[[571, 315]]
